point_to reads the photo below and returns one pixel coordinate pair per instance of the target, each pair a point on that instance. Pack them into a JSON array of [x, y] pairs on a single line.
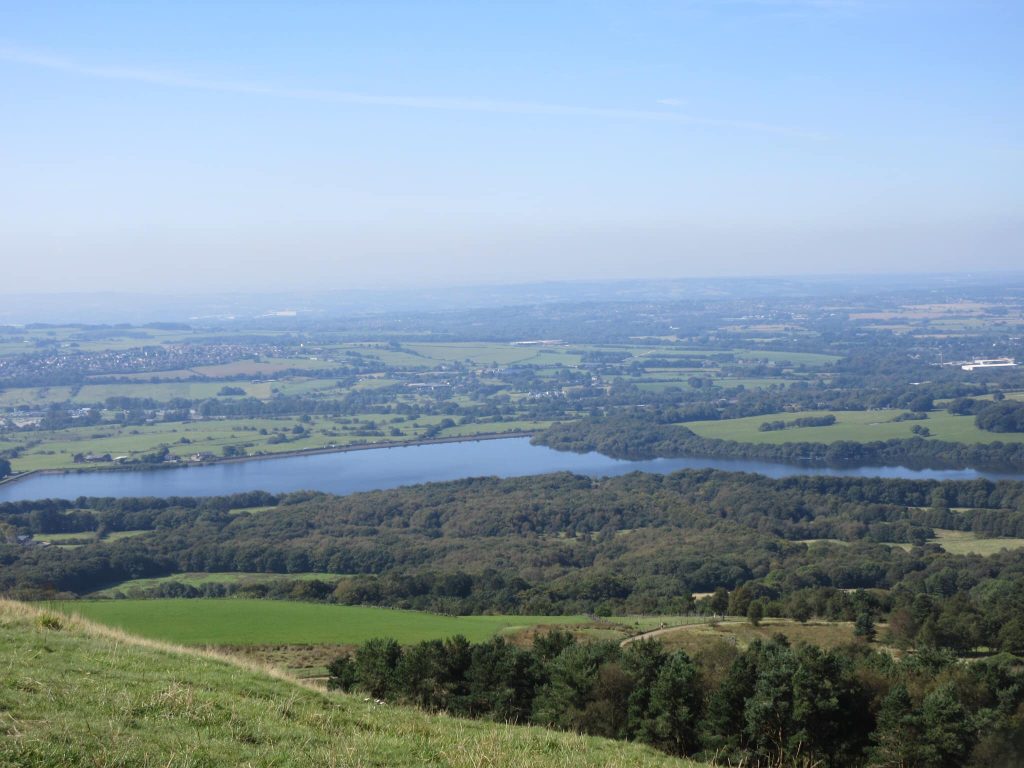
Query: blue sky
[[256, 145]]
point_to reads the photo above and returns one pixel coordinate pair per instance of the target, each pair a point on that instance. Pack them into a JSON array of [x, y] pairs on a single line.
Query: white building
[[999, 362]]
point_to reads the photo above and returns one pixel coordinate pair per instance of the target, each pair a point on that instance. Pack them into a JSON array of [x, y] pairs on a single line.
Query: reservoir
[[381, 468]]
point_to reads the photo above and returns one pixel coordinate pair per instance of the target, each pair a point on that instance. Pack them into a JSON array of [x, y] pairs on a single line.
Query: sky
[[250, 146]]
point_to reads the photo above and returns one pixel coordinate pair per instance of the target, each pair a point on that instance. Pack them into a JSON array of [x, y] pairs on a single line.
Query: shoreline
[[11, 479]]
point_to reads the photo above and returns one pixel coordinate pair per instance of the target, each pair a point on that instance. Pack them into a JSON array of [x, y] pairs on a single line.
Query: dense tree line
[[1006, 416], [770, 705], [804, 421], [91, 513]]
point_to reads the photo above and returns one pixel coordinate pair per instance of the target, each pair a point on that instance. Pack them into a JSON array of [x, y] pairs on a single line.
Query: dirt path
[[666, 630]]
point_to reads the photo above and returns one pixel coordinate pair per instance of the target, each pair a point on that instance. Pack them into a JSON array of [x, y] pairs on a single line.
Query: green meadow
[[858, 426], [259, 622], [967, 543], [223, 577]]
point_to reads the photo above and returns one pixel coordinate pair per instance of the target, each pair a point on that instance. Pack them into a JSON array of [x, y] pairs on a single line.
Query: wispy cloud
[[22, 56]]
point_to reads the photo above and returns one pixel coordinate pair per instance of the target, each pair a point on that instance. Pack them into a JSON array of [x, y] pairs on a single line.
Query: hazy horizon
[[223, 147], [286, 305]]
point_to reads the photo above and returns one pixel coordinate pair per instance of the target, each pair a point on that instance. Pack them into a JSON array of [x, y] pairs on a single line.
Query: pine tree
[[864, 627], [674, 707]]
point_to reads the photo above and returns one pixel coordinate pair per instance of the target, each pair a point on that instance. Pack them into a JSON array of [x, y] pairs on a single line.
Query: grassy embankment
[[73, 693]]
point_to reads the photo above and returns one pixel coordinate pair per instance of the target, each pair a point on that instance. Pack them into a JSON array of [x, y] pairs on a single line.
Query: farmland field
[[859, 426], [224, 577], [967, 543], [88, 536], [258, 622]]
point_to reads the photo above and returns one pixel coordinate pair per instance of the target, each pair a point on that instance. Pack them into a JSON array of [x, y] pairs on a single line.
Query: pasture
[[857, 426], [86, 536], [162, 392], [261, 622], [827, 634], [485, 353], [967, 543], [223, 577]]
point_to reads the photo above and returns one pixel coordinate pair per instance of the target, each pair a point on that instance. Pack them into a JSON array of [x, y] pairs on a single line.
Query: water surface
[[382, 468]]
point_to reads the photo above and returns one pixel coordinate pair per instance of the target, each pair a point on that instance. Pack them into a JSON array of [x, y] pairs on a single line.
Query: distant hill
[[74, 693]]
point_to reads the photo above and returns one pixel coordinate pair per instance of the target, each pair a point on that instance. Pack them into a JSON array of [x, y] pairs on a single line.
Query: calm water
[[392, 467]]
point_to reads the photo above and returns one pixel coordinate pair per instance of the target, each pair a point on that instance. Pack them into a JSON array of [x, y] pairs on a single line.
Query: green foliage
[[376, 666], [674, 709], [864, 627], [772, 706], [1005, 416]]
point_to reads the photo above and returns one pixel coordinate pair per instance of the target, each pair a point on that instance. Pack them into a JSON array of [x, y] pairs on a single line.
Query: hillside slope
[[73, 693]]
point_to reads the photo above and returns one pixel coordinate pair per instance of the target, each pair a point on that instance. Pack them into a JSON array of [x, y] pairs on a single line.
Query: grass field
[[482, 428], [966, 543], [809, 359], [859, 426], [729, 383], [485, 353], [78, 694], [33, 396], [198, 579], [827, 634], [258, 622], [162, 392], [58, 538]]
